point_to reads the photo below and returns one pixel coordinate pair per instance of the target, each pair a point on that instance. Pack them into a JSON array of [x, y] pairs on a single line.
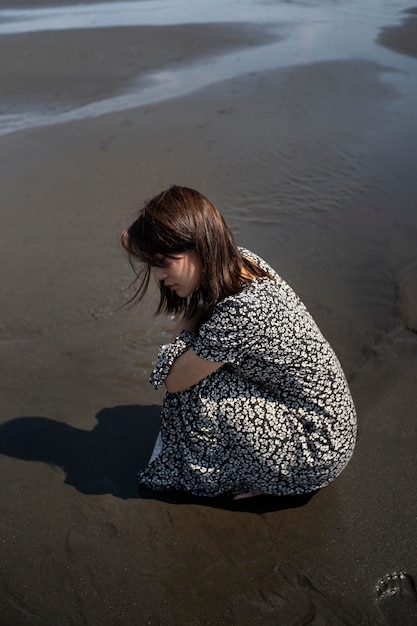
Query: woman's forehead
[[158, 258]]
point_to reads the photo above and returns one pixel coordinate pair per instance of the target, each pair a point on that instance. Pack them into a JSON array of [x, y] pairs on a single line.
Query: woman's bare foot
[[242, 495], [397, 599]]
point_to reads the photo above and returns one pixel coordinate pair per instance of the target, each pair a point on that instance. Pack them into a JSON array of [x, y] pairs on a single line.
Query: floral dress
[[277, 417]]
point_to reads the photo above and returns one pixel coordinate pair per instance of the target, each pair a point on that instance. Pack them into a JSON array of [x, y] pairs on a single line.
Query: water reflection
[[319, 31], [164, 12]]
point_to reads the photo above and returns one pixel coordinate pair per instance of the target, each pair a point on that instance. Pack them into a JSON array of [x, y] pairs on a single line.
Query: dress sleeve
[[167, 354], [230, 333]]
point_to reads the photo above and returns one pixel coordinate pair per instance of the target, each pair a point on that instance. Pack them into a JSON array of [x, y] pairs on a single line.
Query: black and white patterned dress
[[277, 418]]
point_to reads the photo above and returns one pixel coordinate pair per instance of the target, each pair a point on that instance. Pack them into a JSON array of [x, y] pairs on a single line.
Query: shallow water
[[308, 32], [164, 12]]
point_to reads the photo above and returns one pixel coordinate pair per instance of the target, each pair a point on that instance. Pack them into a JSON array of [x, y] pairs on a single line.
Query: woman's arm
[[188, 369]]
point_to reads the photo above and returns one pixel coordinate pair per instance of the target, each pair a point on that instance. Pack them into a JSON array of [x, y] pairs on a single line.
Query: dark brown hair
[[182, 220]]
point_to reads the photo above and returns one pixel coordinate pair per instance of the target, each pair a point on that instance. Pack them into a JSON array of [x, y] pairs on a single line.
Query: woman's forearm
[[187, 370]]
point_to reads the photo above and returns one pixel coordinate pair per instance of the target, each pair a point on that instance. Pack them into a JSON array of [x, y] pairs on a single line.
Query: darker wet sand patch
[[402, 38]]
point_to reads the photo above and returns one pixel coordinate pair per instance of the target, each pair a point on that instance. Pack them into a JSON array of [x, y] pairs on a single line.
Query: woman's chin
[[182, 293]]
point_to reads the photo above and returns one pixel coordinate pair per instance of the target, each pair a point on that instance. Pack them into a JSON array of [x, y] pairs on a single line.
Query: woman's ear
[[124, 236]]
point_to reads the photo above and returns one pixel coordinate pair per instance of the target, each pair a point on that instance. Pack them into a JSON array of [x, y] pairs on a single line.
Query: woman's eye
[[162, 262]]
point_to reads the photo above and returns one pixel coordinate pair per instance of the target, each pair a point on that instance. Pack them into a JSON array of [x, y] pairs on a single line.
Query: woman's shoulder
[[271, 290], [260, 262], [257, 293]]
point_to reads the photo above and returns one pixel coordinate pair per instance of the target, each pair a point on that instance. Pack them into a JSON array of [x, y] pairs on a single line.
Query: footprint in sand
[[397, 599]]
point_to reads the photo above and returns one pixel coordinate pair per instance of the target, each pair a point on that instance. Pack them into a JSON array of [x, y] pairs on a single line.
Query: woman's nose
[[160, 273]]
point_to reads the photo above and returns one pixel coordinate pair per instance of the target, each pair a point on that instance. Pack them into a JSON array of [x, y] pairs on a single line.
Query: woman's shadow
[[106, 459], [103, 460]]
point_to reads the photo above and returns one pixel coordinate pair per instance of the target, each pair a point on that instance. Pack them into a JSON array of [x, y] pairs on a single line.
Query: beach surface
[[314, 164]]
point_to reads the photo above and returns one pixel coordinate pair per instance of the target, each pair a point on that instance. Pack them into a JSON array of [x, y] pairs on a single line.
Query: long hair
[[181, 220]]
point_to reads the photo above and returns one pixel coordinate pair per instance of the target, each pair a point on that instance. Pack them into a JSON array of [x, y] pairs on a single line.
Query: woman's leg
[[157, 448]]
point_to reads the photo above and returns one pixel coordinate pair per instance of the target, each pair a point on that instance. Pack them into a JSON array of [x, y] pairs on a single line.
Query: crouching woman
[[256, 401]]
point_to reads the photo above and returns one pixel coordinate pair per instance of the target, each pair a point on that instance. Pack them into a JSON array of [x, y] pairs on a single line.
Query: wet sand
[[57, 69], [402, 38], [314, 166]]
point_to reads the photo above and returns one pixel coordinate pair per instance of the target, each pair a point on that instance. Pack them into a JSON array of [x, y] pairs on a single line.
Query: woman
[[256, 401]]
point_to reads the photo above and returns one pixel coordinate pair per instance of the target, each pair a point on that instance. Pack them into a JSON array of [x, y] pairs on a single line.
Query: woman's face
[[181, 273]]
